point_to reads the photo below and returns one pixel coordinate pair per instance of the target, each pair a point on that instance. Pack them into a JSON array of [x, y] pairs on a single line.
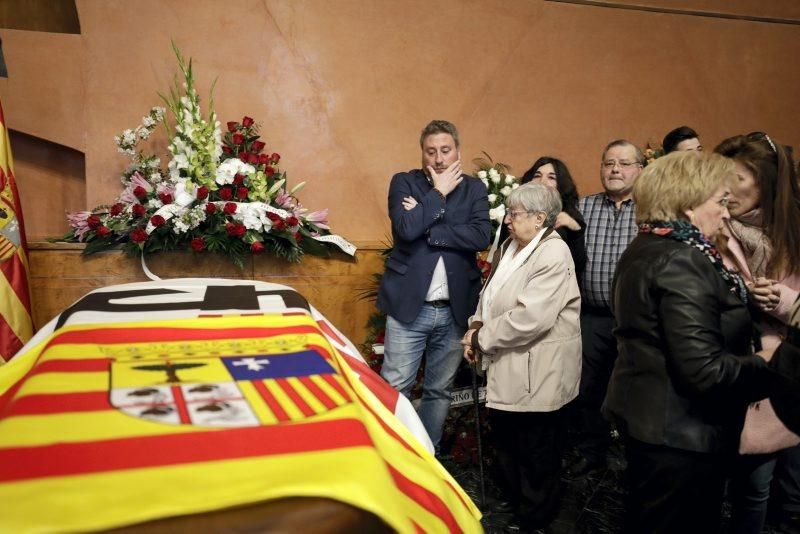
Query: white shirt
[[438, 288]]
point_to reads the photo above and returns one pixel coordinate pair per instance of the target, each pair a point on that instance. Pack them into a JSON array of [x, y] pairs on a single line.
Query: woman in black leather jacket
[[686, 370]]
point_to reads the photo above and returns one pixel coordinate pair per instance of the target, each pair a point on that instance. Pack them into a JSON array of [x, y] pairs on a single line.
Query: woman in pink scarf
[[764, 246]]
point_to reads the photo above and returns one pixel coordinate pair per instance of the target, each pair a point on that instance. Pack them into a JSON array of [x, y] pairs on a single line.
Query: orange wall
[[343, 88]]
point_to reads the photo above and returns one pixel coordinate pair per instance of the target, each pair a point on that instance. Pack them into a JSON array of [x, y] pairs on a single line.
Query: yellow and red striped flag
[[121, 423], [16, 326]]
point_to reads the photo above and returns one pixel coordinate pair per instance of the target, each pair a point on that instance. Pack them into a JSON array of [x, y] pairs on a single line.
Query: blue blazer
[[454, 228]]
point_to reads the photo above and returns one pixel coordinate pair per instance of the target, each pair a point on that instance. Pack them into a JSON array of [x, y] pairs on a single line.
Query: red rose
[[102, 231], [93, 222], [263, 159], [257, 247], [140, 192], [235, 229], [273, 216], [275, 157], [247, 122], [157, 220], [232, 126], [116, 209], [258, 146], [198, 243], [138, 236], [297, 237], [252, 159], [279, 224], [229, 209], [292, 221], [269, 171], [238, 139], [226, 150], [202, 192], [241, 193], [226, 193], [211, 209], [166, 198], [243, 156], [238, 179], [139, 210]]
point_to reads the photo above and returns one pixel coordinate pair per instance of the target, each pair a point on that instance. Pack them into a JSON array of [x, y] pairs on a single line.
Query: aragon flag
[[16, 326]]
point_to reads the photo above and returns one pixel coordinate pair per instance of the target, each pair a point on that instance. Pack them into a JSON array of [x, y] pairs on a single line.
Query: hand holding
[[564, 220], [409, 203], [766, 293], [469, 355], [448, 179]]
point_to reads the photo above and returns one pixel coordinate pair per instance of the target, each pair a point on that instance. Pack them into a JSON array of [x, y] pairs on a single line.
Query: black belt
[[438, 303]]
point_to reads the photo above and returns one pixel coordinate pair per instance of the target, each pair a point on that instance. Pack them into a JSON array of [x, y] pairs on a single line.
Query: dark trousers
[[529, 447], [672, 490], [748, 492], [787, 480], [599, 355]]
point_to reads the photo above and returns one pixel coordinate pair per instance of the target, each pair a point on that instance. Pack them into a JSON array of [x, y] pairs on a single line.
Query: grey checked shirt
[[609, 231]]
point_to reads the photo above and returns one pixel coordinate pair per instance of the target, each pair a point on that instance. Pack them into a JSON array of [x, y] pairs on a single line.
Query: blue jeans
[[436, 334]]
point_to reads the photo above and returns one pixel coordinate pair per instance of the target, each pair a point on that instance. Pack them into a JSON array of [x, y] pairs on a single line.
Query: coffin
[[211, 404]]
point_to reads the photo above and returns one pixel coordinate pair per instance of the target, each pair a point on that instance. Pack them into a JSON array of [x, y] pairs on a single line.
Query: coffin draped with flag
[[152, 400]]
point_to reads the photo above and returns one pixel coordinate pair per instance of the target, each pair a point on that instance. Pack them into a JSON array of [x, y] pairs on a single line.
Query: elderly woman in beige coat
[[526, 331]]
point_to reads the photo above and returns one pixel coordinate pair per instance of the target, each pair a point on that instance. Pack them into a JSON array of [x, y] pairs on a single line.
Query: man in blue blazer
[[440, 219]]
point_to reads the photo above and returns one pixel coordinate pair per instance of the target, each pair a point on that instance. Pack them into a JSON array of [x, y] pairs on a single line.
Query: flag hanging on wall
[[16, 326]]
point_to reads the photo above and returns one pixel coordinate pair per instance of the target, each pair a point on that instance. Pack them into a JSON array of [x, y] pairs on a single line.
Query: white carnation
[[493, 172], [510, 179], [505, 191], [495, 178], [492, 198], [482, 175], [485, 182], [514, 186], [498, 213]]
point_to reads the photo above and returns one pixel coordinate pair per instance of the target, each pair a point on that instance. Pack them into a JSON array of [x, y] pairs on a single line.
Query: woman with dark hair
[[764, 247], [569, 224]]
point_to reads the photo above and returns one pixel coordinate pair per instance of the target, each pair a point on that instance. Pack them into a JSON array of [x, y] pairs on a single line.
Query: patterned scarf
[[686, 232]]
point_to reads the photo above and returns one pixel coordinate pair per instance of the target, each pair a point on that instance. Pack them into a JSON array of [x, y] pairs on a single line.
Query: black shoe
[[790, 524], [585, 465], [503, 507]]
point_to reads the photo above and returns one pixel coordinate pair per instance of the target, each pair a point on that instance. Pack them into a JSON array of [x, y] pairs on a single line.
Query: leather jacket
[[686, 370]]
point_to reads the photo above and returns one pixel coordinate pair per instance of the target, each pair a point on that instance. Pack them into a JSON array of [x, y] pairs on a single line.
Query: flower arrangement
[[652, 152], [499, 183], [221, 193]]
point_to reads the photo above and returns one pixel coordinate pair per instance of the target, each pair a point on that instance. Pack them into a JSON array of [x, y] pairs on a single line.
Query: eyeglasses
[[610, 164], [761, 136], [514, 214]]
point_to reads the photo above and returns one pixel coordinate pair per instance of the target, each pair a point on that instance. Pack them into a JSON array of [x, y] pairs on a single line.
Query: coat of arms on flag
[[226, 391]]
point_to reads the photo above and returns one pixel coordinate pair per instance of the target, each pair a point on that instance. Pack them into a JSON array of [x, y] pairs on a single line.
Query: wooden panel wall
[[60, 275]]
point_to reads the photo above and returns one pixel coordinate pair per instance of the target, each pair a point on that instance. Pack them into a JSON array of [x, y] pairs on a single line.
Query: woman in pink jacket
[[764, 246]]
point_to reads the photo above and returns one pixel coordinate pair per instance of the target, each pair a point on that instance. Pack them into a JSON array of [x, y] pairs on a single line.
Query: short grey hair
[[624, 142], [535, 198]]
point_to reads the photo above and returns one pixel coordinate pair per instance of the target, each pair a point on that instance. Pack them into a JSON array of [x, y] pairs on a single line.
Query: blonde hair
[[678, 182]]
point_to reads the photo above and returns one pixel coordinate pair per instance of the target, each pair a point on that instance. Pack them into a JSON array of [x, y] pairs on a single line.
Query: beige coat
[[531, 338]]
